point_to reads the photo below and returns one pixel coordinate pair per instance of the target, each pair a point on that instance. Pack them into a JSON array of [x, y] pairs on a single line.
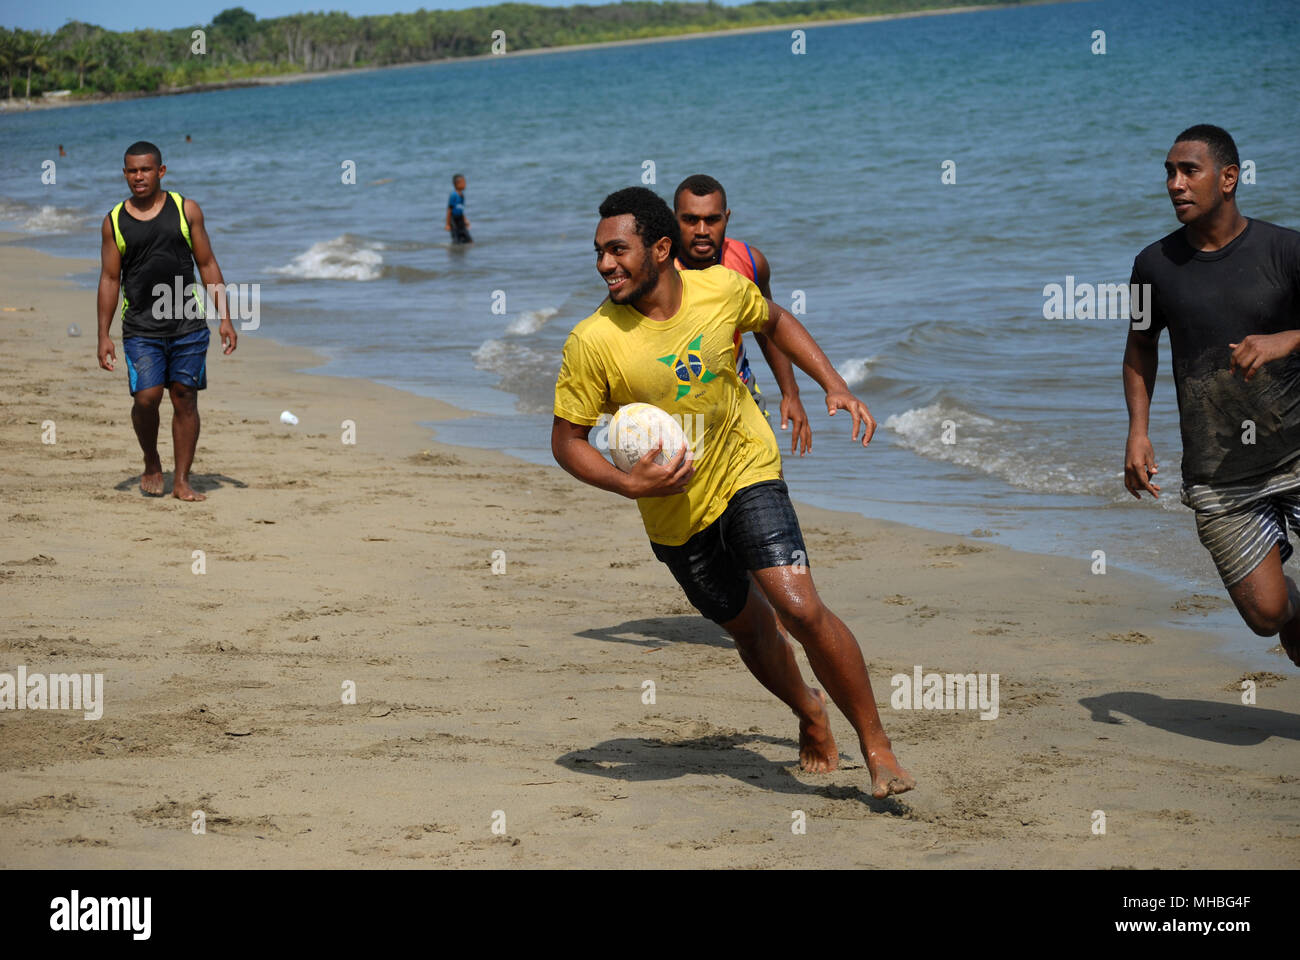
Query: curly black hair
[[654, 219]]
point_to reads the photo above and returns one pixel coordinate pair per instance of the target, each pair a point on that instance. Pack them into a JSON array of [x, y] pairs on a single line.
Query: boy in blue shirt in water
[[456, 222]]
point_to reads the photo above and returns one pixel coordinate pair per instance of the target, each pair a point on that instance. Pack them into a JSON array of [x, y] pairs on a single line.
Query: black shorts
[[758, 530]]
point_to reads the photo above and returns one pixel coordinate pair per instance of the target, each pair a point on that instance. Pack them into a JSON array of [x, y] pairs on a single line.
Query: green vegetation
[[90, 60]]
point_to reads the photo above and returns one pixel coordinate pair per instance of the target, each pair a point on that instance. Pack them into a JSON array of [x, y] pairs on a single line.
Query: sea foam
[[343, 258]]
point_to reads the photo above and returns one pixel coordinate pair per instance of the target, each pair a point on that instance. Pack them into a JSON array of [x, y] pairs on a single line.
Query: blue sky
[[135, 14]]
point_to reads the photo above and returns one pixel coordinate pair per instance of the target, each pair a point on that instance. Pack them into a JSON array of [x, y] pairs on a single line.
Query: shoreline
[[307, 361], [328, 565], [26, 105]]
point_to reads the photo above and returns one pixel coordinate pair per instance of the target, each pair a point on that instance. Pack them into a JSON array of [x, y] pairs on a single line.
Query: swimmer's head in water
[[143, 167], [636, 240], [700, 205], [1201, 172]]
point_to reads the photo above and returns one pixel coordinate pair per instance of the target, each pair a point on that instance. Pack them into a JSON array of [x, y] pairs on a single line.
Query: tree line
[[90, 60]]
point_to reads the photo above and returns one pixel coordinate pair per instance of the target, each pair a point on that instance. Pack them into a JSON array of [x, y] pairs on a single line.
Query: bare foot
[[181, 490], [887, 774], [817, 753], [151, 478]]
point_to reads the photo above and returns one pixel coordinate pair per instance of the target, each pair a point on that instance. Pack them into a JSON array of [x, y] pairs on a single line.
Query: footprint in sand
[[1201, 603], [1262, 678], [1133, 636]]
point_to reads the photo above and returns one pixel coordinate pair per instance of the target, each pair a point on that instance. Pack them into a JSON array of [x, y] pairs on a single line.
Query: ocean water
[[927, 296]]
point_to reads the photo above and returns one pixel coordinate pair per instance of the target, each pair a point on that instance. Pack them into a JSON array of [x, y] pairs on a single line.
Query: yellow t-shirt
[[685, 365]]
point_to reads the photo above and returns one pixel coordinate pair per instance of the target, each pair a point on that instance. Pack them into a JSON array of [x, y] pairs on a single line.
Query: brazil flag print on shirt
[[686, 366]]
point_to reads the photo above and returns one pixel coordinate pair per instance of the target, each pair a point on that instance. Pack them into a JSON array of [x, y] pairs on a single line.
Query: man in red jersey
[[700, 205]]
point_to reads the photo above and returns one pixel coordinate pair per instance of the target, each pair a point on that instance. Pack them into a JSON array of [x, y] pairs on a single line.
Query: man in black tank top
[[152, 241]]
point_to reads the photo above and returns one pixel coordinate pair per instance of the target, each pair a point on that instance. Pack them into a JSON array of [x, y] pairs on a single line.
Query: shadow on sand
[[658, 631], [1235, 724], [642, 759], [201, 482]]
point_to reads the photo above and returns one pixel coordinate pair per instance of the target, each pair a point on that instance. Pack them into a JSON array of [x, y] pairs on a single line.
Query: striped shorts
[[1240, 522]]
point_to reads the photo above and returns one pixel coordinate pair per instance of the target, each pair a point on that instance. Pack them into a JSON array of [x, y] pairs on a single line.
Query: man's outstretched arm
[[792, 411], [793, 339]]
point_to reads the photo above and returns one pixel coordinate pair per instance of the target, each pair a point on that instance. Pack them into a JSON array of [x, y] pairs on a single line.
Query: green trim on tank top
[[185, 232]]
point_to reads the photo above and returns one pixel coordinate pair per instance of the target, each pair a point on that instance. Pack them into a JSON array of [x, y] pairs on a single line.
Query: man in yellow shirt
[[723, 514]]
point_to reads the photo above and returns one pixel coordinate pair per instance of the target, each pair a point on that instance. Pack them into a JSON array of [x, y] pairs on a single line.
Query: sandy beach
[[514, 696]]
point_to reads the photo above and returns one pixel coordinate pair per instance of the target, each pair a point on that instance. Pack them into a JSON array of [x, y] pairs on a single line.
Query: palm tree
[[34, 55], [9, 56], [82, 58]]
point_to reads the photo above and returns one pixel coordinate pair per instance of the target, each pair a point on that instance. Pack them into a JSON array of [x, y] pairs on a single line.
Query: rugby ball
[[638, 428]]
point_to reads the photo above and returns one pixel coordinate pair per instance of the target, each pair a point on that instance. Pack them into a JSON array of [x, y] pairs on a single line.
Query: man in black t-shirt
[[150, 244], [1228, 290]]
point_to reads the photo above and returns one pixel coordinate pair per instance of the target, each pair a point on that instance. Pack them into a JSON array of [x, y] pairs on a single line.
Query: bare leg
[[769, 657], [1270, 603], [1289, 633], [144, 417], [185, 439], [837, 661], [785, 630]]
